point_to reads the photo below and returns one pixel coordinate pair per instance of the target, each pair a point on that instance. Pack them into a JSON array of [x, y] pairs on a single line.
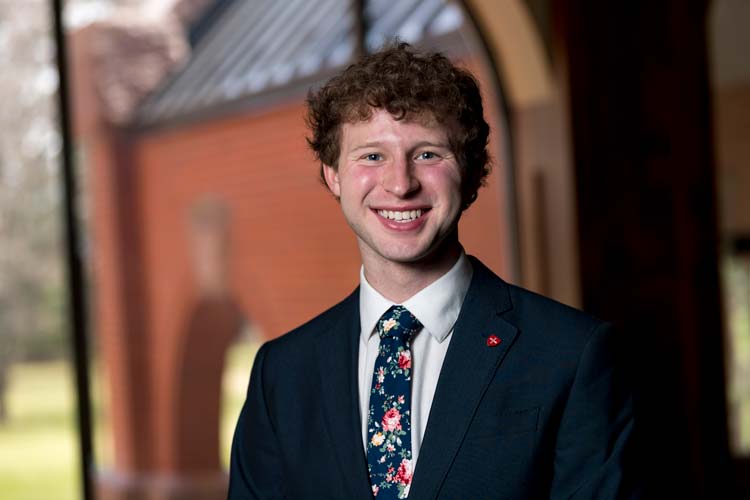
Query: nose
[[399, 178]]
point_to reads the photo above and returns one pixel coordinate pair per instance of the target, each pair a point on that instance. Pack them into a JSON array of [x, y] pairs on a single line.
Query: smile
[[400, 216]]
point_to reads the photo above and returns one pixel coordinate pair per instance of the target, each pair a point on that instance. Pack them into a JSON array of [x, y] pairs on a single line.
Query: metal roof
[[252, 47]]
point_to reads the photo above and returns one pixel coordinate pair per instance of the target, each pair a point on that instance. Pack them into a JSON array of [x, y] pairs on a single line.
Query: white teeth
[[400, 216]]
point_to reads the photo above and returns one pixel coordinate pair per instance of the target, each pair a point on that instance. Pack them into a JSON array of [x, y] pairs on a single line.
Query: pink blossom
[[391, 420], [404, 360], [404, 473]]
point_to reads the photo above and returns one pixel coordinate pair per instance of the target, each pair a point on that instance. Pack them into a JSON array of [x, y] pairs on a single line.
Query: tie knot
[[398, 323]]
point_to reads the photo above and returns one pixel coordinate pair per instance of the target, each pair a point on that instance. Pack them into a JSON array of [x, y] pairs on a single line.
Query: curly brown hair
[[408, 84]]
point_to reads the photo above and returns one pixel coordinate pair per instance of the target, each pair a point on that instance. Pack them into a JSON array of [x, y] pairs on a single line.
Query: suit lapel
[[337, 354], [467, 370]]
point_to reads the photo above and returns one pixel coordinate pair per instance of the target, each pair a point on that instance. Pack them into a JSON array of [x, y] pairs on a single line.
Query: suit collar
[[469, 366], [493, 292]]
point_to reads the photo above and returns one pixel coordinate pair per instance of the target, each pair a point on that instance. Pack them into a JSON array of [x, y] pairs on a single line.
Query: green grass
[[39, 442]]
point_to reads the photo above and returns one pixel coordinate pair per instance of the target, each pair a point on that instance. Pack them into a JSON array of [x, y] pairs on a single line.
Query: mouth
[[402, 216]]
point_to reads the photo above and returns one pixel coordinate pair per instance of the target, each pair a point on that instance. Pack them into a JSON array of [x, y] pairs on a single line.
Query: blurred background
[[620, 185]]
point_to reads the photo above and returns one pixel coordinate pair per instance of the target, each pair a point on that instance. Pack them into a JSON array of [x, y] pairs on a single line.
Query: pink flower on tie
[[404, 359], [392, 420], [404, 473]]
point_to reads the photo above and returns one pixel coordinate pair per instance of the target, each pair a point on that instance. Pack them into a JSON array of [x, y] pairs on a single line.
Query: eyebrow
[[367, 145], [421, 144], [431, 144]]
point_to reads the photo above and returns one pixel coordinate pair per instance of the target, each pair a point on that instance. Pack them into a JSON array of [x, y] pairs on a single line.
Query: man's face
[[400, 189]]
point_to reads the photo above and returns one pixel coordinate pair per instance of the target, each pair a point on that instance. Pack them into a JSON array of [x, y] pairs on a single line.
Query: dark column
[[641, 128], [77, 309]]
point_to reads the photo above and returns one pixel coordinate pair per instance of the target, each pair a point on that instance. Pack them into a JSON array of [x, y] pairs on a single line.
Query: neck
[[398, 281]]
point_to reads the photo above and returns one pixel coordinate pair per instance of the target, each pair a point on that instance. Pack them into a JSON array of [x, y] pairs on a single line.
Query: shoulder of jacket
[[308, 331]]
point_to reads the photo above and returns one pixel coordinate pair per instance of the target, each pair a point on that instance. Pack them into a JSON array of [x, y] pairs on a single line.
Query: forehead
[[381, 126]]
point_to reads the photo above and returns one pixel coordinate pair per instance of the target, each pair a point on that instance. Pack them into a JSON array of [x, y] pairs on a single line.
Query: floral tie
[[389, 417]]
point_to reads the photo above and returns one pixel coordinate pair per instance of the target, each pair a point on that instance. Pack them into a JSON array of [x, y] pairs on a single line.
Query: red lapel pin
[[493, 341]]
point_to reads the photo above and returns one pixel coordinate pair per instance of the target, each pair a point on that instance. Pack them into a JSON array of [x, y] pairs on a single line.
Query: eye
[[427, 155], [372, 157]]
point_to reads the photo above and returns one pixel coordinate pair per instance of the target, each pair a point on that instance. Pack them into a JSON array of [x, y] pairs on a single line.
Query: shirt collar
[[435, 306]]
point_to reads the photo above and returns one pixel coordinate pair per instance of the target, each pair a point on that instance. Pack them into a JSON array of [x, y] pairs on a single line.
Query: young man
[[435, 379]]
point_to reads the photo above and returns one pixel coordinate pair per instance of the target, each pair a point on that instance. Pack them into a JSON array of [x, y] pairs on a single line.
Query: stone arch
[[542, 158], [517, 48]]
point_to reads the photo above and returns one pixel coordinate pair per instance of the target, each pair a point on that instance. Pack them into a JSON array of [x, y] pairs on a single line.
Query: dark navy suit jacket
[[547, 413]]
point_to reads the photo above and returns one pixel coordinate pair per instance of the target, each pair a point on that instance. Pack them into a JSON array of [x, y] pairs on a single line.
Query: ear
[[332, 180]]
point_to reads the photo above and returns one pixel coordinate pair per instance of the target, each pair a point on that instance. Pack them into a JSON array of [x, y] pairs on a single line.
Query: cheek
[[445, 180], [358, 182]]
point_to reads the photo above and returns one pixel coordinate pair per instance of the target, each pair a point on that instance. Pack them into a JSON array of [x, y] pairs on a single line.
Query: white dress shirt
[[436, 307]]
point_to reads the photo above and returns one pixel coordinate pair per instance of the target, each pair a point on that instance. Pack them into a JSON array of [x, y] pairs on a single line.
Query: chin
[[409, 251], [401, 257], [411, 255]]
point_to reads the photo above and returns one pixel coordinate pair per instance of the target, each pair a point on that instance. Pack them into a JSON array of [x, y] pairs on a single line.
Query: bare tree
[[30, 277]]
